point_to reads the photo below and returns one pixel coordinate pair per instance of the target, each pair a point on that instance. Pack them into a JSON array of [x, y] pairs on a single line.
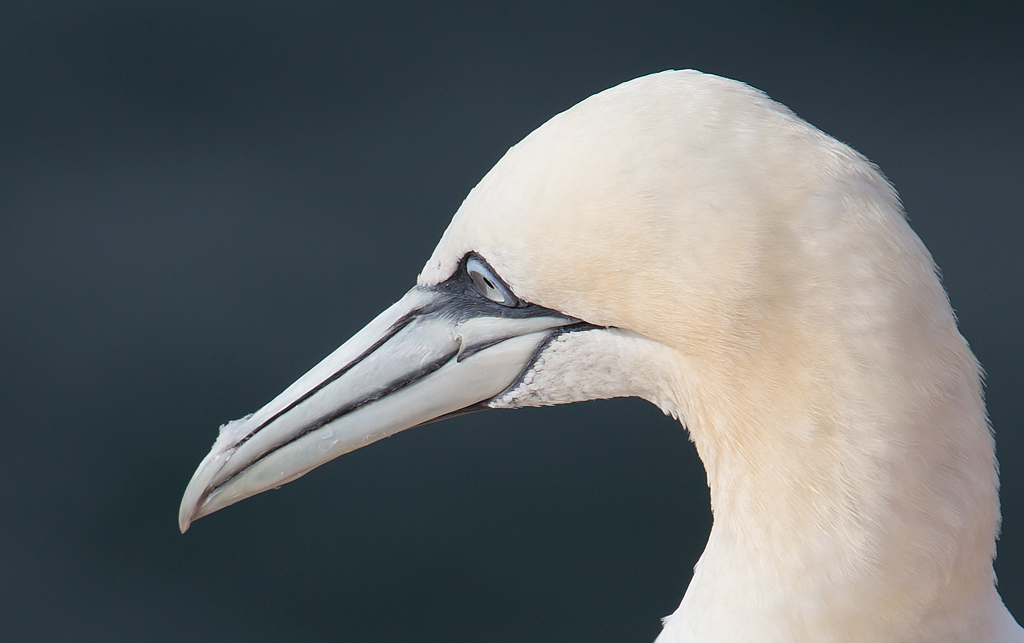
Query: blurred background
[[199, 200]]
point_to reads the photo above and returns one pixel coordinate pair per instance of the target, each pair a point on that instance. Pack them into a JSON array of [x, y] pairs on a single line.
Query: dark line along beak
[[434, 353]]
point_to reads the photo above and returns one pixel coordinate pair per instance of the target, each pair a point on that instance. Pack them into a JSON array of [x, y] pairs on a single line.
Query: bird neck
[[854, 497]]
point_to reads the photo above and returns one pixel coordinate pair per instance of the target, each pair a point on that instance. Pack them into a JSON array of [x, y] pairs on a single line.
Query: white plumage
[[749, 275]]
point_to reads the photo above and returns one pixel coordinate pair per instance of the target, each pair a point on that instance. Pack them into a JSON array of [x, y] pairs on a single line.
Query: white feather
[[770, 292]]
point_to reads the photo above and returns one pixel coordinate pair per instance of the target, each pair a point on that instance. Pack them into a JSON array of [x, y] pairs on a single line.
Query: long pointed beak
[[436, 352]]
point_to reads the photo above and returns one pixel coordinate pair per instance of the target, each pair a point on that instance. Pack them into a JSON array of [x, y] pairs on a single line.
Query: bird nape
[[685, 239]]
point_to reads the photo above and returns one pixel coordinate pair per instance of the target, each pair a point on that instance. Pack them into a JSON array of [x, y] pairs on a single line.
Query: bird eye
[[488, 283]]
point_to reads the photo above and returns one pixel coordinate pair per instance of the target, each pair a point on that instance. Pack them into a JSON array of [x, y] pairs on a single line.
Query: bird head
[[661, 239]]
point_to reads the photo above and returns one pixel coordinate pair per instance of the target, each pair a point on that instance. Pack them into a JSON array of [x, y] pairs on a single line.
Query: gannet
[[685, 239]]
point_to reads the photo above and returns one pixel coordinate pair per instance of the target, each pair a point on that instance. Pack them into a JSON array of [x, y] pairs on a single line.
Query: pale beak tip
[[193, 503], [185, 516]]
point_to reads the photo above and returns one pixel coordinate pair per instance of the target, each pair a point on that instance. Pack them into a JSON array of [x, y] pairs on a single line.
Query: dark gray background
[[200, 200]]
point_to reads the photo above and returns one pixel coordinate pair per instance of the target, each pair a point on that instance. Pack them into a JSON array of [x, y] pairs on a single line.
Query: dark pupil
[[489, 284]]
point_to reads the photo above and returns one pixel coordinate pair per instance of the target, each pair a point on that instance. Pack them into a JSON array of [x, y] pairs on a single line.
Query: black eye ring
[[489, 284]]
